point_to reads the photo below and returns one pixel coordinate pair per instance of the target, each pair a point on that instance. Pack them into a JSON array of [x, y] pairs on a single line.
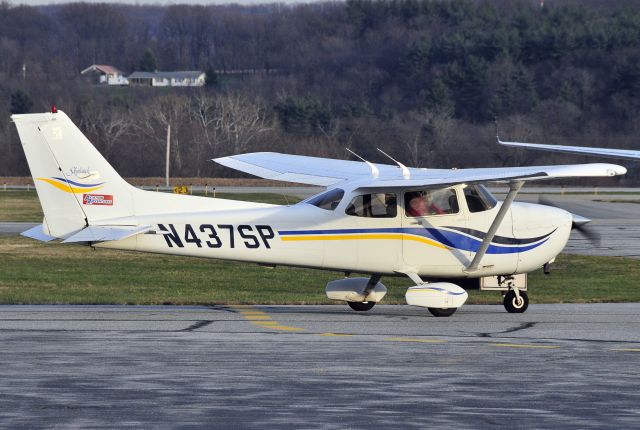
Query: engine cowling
[[352, 290], [436, 295]]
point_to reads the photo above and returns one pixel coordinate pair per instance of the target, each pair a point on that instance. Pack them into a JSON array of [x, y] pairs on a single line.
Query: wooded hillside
[[421, 79]]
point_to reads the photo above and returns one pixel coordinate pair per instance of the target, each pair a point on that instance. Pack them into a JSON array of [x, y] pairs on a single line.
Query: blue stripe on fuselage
[[448, 238]]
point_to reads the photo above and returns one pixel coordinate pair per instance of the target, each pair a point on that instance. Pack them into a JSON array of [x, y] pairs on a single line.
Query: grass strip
[[36, 273], [23, 206]]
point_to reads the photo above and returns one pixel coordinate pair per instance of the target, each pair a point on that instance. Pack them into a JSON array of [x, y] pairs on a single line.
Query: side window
[[329, 200], [430, 202], [378, 205], [479, 198]]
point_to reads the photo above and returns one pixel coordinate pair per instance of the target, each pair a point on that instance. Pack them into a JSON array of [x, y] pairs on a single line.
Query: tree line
[[423, 80]]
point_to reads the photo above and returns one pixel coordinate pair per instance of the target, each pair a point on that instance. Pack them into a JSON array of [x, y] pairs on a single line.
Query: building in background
[[102, 74], [167, 79]]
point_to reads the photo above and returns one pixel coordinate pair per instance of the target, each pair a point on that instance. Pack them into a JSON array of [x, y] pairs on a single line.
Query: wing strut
[[514, 187]]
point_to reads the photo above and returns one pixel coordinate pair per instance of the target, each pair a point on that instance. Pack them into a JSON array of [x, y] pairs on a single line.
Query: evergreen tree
[[211, 78], [21, 102], [148, 62]]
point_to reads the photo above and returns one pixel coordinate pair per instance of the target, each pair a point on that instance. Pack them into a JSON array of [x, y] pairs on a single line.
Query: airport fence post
[[191, 189], [28, 187], [206, 190], [5, 186], [595, 191], [157, 188], [214, 192]]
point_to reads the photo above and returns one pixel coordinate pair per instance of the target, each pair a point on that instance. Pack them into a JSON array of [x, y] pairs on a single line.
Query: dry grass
[[19, 206]]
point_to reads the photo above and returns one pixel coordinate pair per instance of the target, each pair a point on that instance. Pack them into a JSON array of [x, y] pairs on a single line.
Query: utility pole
[[166, 168]]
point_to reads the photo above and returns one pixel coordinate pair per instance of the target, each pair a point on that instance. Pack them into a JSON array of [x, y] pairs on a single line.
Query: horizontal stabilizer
[[37, 234], [103, 233]]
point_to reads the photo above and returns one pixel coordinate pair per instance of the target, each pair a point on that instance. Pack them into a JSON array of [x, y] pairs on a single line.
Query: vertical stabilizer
[[75, 184]]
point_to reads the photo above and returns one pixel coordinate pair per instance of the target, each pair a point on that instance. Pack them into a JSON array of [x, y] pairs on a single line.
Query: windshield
[[328, 200], [479, 198]]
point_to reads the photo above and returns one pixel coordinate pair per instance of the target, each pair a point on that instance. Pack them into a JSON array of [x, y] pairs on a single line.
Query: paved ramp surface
[[615, 220], [278, 367]]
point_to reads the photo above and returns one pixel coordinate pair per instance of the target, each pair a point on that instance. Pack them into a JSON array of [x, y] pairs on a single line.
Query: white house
[[168, 79], [105, 75]]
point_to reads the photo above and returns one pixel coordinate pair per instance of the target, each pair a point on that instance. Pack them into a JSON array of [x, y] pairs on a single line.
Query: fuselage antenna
[[405, 172], [374, 170]]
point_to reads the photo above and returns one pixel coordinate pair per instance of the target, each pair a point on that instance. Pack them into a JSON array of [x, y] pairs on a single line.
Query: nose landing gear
[[516, 302]]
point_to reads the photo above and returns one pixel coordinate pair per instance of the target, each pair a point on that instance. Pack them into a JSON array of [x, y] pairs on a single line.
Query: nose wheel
[[516, 302]]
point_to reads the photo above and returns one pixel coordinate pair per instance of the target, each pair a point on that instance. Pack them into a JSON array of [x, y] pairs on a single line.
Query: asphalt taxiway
[[556, 366]]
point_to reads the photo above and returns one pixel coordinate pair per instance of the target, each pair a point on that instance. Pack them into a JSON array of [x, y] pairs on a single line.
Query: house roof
[[104, 68], [190, 74]]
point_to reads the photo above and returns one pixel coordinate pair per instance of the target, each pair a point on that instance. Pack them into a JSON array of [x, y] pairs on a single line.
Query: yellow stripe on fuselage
[[68, 188], [382, 236]]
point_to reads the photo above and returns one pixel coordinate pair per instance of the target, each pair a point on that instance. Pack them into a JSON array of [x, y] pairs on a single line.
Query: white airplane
[[435, 226], [630, 154]]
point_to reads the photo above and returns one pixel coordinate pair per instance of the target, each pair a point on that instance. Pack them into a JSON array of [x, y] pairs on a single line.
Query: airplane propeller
[[579, 223]]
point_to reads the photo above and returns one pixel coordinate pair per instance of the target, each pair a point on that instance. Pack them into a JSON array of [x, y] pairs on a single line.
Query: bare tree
[[170, 110], [238, 122], [106, 125]]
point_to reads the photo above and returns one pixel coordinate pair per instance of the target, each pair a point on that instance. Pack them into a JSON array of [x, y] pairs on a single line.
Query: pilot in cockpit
[[419, 203]]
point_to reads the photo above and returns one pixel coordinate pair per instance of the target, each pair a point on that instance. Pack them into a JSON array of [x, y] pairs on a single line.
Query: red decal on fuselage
[[97, 199]]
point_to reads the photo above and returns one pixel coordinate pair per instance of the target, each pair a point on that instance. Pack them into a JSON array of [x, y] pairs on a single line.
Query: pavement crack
[[197, 325]]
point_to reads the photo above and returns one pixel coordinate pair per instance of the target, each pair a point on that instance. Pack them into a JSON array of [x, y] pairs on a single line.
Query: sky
[[157, 2]]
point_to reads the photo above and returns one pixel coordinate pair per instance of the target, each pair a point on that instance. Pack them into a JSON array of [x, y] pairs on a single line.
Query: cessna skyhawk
[[438, 227]]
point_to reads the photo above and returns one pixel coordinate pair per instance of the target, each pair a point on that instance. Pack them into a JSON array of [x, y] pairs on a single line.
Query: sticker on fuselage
[[217, 236]]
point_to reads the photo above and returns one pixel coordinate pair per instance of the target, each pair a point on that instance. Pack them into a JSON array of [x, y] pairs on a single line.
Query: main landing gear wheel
[[442, 312], [361, 306], [513, 305]]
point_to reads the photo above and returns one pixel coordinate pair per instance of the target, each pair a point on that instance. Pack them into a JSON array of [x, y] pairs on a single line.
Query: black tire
[[361, 306], [511, 302], [442, 312]]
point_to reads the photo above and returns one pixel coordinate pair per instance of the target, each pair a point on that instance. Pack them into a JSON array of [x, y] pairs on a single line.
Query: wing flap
[[303, 169]]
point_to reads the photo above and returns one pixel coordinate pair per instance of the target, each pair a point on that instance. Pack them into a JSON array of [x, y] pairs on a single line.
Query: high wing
[[327, 172], [604, 152]]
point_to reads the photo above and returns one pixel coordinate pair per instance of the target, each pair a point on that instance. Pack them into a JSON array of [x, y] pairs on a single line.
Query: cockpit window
[[430, 202], [479, 198], [379, 205], [329, 200]]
